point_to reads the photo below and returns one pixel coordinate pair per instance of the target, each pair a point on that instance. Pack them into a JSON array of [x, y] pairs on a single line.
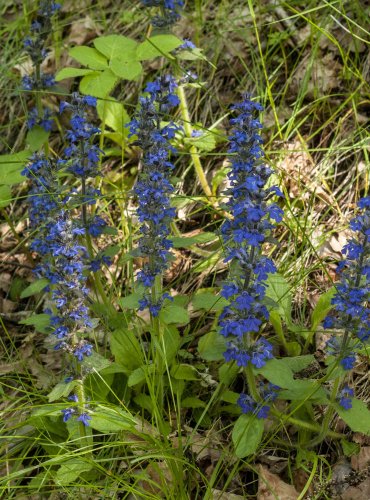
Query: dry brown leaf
[[271, 487], [362, 460], [225, 495], [360, 492], [322, 74], [83, 30]]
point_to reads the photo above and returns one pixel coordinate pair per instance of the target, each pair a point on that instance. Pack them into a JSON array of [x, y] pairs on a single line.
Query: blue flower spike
[[252, 213]]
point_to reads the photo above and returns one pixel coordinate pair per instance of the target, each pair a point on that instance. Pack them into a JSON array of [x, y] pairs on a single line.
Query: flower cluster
[[42, 197], [82, 160], [352, 296], [170, 11], [345, 397], [268, 393], [35, 46], [244, 234], [153, 188]]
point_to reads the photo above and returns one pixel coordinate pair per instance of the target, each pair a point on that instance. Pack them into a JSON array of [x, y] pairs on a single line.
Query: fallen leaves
[[271, 487]]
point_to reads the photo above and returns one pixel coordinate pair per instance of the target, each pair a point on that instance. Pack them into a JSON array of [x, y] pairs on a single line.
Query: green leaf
[[186, 242], [37, 137], [293, 348], [144, 401], [278, 290], [98, 84], [130, 301], [5, 196], [357, 417], [247, 435], [35, 287], [72, 469], [11, 167], [205, 142], [174, 314], [299, 363], [126, 349], [212, 346], [208, 301], [184, 372], [41, 322], [113, 46], [96, 362], [127, 70], [62, 390], [227, 373], [349, 448], [193, 403], [140, 375], [278, 372], [114, 115], [108, 419], [65, 73], [158, 45], [87, 56], [171, 343], [322, 308]]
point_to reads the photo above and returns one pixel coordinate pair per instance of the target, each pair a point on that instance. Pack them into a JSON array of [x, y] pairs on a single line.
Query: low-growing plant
[[159, 365]]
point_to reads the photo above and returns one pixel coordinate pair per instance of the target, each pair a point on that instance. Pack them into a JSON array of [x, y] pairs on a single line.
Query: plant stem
[[193, 150]]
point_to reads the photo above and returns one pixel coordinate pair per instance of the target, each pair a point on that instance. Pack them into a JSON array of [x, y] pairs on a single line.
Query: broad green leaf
[[205, 142], [41, 322], [186, 242], [322, 308], [140, 375], [126, 349], [293, 348], [278, 372], [278, 290], [96, 362], [11, 167], [298, 363], [208, 301], [98, 84], [5, 196], [171, 343], [72, 469], [247, 435], [230, 397], [114, 115], [227, 373], [144, 401], [174, 314], [158, 45], [108, 419], [87, 56], [184, 372], [72, 73], [113, 46], [127, 70], [130, 301], [193, 403], [35, 287], [62, 390], [212, 346], [357, 417], [37, 137], [349, 448]]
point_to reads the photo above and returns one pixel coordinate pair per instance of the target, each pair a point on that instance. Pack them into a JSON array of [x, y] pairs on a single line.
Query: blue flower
[[244, 233], [153, 188], [268, 393], [352, 295], [170, 11], [84, 418], [345, 397], [68, 413]]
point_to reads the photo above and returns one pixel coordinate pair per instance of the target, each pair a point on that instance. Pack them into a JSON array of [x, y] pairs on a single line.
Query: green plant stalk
[[157, 331], [193, 150]]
